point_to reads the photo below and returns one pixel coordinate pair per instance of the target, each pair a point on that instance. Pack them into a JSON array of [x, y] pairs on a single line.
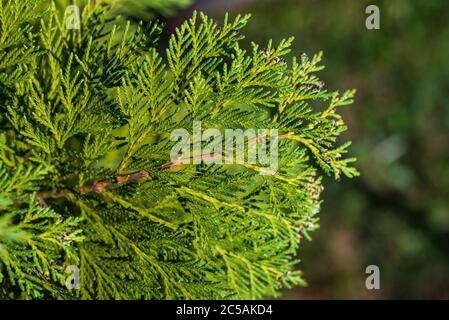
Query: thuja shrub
[[87, 179]]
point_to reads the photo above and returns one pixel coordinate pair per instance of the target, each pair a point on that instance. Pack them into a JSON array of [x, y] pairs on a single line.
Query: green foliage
[[177, 231], [16, 40], [35, 241], [395, 214], [140, 9]]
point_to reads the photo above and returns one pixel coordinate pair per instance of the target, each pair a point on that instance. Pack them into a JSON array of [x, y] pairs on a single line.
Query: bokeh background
[[396, 215]]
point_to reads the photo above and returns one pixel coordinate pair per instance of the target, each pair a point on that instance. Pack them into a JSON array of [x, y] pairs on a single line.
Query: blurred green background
[[396, 215]]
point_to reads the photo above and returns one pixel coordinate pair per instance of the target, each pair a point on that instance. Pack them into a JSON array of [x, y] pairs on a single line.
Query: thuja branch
[[152, 227]]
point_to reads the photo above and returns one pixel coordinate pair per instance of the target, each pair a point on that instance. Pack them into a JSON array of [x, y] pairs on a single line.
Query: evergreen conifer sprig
[[86, 176]]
